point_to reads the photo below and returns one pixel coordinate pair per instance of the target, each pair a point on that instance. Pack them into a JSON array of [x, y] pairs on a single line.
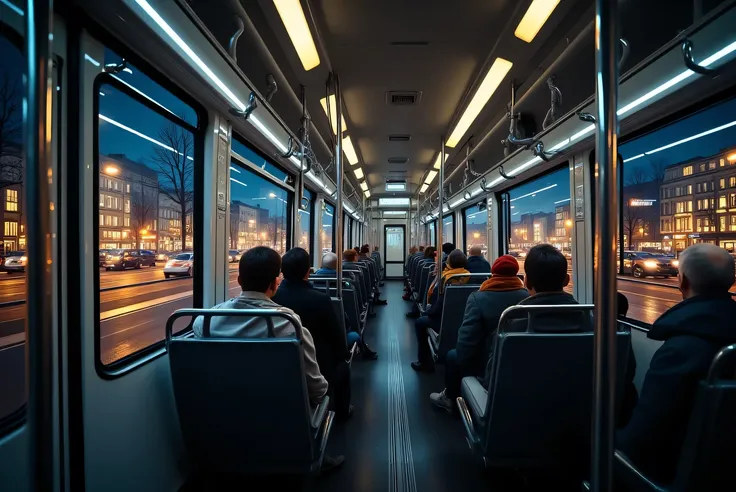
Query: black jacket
[[693, 332], [318, 316], [478, 264]]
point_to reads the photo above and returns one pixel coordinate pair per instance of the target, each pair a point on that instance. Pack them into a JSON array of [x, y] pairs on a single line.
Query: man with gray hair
[[693, 332], [329, 265]]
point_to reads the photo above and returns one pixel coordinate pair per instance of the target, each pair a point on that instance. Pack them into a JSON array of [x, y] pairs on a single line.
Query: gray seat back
[[349, 298], [424, 281], [453, 311], [710, 445], [243, 403], [541, 390], [337, 306]]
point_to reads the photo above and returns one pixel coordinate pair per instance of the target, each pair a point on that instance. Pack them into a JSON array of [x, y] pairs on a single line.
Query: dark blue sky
[[540, 194]]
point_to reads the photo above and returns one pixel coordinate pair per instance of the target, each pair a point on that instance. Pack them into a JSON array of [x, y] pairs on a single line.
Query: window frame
[[147, 354], [451, 215], [463, 212]]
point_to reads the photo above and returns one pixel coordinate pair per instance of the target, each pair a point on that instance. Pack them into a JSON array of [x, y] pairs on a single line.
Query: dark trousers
[[455, 372], [339, 389], [421, 325]]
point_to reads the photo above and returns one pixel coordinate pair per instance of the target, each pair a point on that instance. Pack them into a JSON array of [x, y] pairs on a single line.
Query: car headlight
[[675, 263], [650, 264], [24, 259]]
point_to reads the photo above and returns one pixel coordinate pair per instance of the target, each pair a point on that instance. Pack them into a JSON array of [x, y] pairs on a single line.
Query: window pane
[[448, 229], [12, 216], [432, 240], [259, 210], [147, 160], [475, 229], [673, 198], [305, 221], [328, 228], [540, 213], [251, 156]]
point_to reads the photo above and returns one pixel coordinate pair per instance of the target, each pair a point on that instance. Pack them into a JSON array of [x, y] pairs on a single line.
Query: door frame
[[385, 242]]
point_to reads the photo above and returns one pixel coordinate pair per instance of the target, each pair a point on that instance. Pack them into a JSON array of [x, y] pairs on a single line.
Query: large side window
[[328, 228], [12, 217], [540, 213], [432, 239], [475, 229], [304, 239], [144, 210], [679, 189], [254, 158], [259, 210], [448, 229]]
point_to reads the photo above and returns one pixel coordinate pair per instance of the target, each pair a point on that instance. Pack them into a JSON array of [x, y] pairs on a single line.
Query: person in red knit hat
[[482, 312]]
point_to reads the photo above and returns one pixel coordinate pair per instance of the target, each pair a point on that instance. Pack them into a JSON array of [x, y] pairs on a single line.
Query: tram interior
[[147, 146]]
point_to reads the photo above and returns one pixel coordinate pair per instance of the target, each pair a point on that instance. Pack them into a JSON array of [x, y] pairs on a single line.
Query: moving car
[[120, 259], [179, 265], [233, 256], [103, 257], [163, 256], [14, 261], [642, 264]]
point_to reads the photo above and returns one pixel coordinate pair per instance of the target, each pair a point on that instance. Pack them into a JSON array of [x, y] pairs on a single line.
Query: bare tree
[[142, 212], [636, 176], [633, 221], [656, 169], [176, 171], [11, 134]]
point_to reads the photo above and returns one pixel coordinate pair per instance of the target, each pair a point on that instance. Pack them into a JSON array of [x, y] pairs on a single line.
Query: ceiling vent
[[399, 138], [401, 171], [403, 98], [398, 160], [409, 43]]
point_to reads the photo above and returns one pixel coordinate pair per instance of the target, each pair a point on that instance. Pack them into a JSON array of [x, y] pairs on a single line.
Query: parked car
[[163, 256], [233, 256], [179, 265], [13, 261], [120, 259], [642, 264], [103, 257]]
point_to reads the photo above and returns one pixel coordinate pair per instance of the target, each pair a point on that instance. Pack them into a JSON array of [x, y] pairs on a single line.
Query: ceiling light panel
[[490, 83], [364, 186], [423, 188], [333, 113], [367, 193], [358, 173], [438, 162], [349, 150], [430, 177], [535, 17], [292, 16]]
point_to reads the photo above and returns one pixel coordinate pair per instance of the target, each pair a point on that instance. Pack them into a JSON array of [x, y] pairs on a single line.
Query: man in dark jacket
[[693, 332], [482, 312], [318, 315], [477, 264]]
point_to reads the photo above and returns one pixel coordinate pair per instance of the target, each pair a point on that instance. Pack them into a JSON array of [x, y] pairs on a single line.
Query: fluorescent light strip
[[295, 22], [139, 134], [437, 162], [145, 95], [349, 150], [534, 192], [12, 7], [367, 193], [528, 163], [453, 205], [239, 182], [234, 169], [634, 158], [267, 133], [582, 133], [423, 188], [535, 17], [430, 177], [688, 139], [358, 173], [333, 111], [91, 60], [490, 83], [562, 201], [364, 186], [190, 53]]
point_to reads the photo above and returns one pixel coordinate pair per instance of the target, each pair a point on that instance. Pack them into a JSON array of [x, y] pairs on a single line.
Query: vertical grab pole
[[440, 220], [339, 182], [606, 46], [39, 179], [299, 188]]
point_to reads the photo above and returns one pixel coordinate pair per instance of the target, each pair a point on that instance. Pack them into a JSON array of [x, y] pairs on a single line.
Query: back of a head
[[709, 269], [412, 250], [457, 259], [258, 269], [429, 252], [505, 266], [421, 249], [448, 248], [365, 249], [349, 255], [295, 264], [329, 260], [545, 268], [375, 248], [476, 251], [622, 306]]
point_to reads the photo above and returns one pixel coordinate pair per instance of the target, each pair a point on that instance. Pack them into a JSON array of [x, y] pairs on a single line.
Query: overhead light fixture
[[367, 193], [358, 173], [349, 150], [535, 17], [438, 162], [364, 186], [490, 83], [430, 177], [333, 113], [394, 212], [423, 188], [394, 202], [395, 185], [295, 22], [458, 202]]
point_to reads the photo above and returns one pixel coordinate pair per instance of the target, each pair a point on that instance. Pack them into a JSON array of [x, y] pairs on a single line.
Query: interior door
[[395, 241]]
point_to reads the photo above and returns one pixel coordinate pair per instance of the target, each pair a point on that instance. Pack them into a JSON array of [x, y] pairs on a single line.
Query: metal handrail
[[208, 314], [722, 358]]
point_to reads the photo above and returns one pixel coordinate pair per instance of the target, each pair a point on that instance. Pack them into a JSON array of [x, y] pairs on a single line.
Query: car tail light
[[170, 263]]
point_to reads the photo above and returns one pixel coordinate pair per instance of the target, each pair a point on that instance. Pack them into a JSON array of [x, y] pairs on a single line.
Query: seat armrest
[[319, 413], [470, 435], [626, 472]]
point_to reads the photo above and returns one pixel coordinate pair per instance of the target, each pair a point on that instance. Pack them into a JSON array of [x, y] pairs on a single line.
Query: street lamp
[[111, 170], [568, 223]]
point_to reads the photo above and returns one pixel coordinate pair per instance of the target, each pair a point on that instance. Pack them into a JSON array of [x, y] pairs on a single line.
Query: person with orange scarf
[[482, 313], [456, 262]]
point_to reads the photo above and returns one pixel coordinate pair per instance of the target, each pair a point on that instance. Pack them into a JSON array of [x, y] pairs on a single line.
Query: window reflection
[[432, 240], [476, 229], [305, 221], [258, 161], [540, 213], [328, 228], [448, 229]]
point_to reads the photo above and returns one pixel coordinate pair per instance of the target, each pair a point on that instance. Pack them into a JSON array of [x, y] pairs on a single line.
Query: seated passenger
[[482, 312], [456, 262], [318, 315], [365, 252], [349, 257], [258, 276], [329, 265], [630, 396], [430, 253], [693, 332], [421, 249], [447, 248], [476, 262]]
